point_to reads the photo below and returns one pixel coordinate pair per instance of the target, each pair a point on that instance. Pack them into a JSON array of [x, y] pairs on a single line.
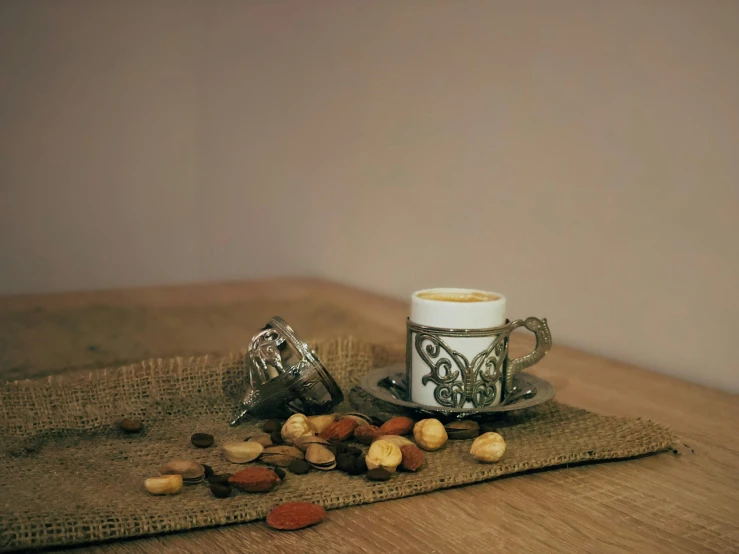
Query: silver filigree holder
[[459, 380], [285, 375]]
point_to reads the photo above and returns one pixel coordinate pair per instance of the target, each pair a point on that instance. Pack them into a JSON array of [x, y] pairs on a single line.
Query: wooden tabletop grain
[[681, 501]]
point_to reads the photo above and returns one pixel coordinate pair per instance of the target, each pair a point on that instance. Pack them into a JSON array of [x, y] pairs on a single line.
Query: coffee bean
[[271, 425], [131, 425], [202, 440], [378, 474], [219, 479], [276, 437], [280, 473], [220, 491], [299, 467], [345, 462], [360, 465], [208, 470], [332, 448], [340, 446], [354, 451]]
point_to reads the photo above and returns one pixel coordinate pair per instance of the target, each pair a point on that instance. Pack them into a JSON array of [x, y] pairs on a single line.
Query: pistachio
[[297, 426], [303, 442], [319, 422], [166, 484], [397, 440], [488, 448], [280, 455], [189, 470], [262, 438], [464, 429], [242, 452], [383, 454], [320, 457], [430, 434], [360, 418]]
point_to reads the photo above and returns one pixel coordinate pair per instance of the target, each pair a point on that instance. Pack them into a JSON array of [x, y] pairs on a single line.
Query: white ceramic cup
[[452, 308]]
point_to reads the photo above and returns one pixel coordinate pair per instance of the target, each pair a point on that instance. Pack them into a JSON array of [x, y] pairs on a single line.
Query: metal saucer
[[387, 385]]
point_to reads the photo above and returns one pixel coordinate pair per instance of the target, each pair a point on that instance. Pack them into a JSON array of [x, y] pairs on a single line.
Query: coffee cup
[[457, 348]]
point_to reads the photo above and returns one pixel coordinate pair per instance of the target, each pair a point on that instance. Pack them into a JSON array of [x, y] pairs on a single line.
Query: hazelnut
[[296, 426], [488, 448], [430, 434], [383, 454]]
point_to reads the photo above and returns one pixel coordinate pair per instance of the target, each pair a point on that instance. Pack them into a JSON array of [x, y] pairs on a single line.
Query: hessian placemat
[[77, 478]]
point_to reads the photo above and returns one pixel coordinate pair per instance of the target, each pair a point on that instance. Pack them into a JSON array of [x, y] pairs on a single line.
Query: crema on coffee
[[466, 296]]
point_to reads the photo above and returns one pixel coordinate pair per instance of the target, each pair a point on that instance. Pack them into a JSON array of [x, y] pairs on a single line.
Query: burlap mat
[[71, 477]]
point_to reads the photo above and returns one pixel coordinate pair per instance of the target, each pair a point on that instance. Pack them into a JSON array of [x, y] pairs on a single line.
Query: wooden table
[[683, 501]]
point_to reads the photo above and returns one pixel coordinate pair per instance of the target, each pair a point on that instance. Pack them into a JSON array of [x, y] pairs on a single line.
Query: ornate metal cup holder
[[285, 375], [387, 384]]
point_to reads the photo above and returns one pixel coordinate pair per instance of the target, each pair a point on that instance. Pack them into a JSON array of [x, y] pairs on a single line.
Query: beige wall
[[580, 156]]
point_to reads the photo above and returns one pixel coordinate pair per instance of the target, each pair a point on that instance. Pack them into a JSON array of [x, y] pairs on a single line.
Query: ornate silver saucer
[[387, 384]]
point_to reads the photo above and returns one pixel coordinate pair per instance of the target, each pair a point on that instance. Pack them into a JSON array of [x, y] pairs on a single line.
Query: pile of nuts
[[306, 443]]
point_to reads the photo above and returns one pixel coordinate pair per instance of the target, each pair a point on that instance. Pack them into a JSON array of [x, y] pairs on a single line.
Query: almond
[[254, 479], [340, 431], [295, 515], [367, 434], [412, 457], [400, 425]]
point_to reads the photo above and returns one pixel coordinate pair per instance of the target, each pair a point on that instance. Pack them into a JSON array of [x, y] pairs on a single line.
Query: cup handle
[[543, 343]]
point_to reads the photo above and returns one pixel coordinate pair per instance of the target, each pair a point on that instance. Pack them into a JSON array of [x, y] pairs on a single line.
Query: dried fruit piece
[[340, 430], [345, 462], [295, 515], [242, 452], [488, 448], [219, 479], [360, 465], [383, 454], [462, 430], [271, 425], [166, 484], [430, 434], [207, 471], [131, 425], [320, 457], [202, 440], [367, 434], [280, 473], [296, 426], [276, 437], [220, 491], [378, 474], [319, 422], [299, 467], [255, 479], [412, 457]]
